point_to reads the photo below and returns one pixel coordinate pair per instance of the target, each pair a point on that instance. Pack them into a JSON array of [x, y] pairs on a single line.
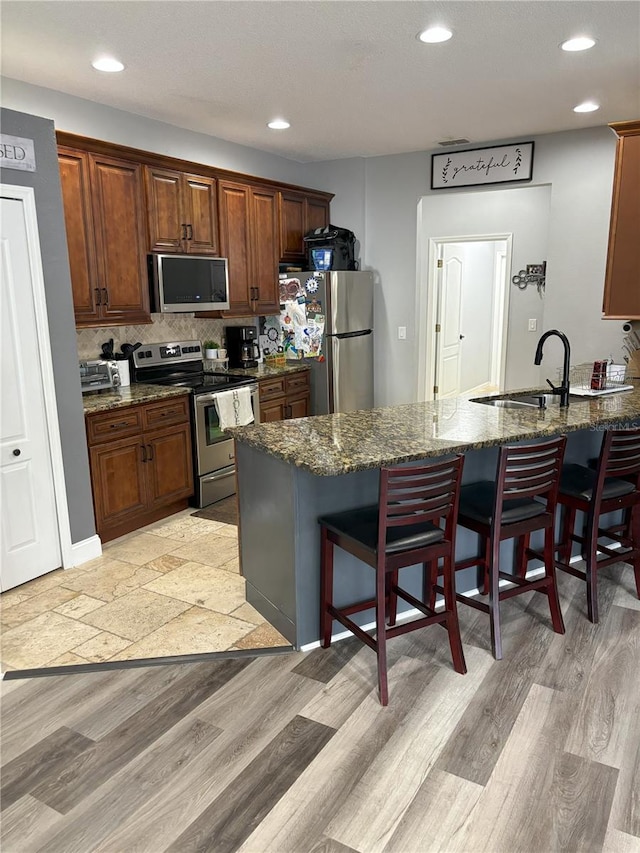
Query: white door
[[449, 338], [30, 536]]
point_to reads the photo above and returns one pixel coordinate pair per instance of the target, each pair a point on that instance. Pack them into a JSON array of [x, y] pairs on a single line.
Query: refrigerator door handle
[[351, 334]]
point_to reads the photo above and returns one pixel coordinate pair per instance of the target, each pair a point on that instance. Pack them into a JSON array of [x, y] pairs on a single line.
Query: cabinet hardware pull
[[190, 232], [16, 452], [183, 236], [150, 458], [257, 294], [98, 297], [119, 424], [106, 296], [144, 452]]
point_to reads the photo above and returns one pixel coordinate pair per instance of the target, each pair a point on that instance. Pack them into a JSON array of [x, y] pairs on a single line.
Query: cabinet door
[[317, 213], [272, 410], [234, 207], [199, 199], [118, 480], [169, 465], [264, 227], [167, 228], [120, 239], [292, 225], [78, 217], [622, 290], [298, 407]]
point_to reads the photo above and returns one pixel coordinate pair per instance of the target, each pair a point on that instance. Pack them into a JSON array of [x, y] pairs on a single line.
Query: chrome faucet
[[562, 390]]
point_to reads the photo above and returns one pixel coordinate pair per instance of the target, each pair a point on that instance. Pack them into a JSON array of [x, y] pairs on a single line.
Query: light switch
[[402, 333], [533, 324]]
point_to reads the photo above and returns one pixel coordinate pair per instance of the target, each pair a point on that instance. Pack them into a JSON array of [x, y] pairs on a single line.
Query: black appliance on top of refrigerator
[[342, 376]]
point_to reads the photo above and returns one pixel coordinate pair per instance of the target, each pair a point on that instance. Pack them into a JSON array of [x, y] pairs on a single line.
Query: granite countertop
[[263, 371], [328, 445], [131, 395]]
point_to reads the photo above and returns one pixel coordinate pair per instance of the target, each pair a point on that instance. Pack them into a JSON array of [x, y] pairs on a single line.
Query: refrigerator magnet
[[311, 284]]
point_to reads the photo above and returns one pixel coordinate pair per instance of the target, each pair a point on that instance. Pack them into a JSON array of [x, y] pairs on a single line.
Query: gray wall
[[577, 165], [77, 115], [53, 246], [378, 199]]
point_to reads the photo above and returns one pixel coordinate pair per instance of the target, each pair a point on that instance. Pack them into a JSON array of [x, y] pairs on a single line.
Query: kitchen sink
[[527, 401]]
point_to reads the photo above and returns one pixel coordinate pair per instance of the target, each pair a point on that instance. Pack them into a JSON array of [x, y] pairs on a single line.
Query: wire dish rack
[[594, 378]]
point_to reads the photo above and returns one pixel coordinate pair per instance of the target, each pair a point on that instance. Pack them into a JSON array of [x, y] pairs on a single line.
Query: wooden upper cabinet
[[119, 221], [234, 206], [264, 228], [249, 240], [182, 213], [103, 199], [78, 217], [622, 281], [292, 224], [299, 213]]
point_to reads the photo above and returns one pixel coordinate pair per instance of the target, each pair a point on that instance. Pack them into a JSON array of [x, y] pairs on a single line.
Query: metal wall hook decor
[[534, 274]]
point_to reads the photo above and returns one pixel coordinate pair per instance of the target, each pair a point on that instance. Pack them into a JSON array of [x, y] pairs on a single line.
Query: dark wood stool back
[[613, 486], [523, 499], [413, 523]]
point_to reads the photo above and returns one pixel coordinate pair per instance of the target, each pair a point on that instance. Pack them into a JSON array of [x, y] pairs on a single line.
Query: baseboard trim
[[83, 551], [411, 614]]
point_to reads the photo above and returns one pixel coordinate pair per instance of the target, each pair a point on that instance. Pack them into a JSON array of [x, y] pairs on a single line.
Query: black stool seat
[[580, 482], [477, 501], [362, 525]]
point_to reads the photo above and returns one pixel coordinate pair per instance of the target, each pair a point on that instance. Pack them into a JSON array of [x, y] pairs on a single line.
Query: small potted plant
[[210, 349]]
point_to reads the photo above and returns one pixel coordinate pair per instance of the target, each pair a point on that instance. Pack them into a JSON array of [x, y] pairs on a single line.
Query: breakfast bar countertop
[[330, 445], [131, 395]]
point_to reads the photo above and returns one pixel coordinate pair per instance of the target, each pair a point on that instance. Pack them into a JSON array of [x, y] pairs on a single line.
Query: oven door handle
[[207, 399]]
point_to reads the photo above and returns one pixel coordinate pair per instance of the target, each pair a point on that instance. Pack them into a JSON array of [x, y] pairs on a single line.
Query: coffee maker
[[242, 346]]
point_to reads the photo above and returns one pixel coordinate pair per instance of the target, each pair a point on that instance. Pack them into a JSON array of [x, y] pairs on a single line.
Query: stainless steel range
[[180, 363]]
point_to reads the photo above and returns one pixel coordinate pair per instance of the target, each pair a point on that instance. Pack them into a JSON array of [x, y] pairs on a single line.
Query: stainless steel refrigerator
[[342, 381]]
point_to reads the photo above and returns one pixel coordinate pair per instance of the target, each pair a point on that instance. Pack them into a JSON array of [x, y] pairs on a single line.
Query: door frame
[[427, 304], [26, 195]]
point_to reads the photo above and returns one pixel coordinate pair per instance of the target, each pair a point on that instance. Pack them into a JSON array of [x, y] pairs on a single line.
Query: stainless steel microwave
[[186, 283]]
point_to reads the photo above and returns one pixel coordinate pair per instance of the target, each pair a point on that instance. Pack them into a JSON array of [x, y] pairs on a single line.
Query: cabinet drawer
[[269, 389], [298, 382], [157, 415], [105, 426]]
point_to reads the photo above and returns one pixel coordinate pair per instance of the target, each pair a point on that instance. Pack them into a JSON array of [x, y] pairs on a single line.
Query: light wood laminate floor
[[171, 588], [292, 753]]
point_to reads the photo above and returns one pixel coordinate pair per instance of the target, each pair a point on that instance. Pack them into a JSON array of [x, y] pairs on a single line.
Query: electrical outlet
[[533, 324], [402, 333]]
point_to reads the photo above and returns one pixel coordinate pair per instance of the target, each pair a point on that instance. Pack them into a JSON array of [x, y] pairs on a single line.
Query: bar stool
[[413, 522], [522, 499], [613, 485]]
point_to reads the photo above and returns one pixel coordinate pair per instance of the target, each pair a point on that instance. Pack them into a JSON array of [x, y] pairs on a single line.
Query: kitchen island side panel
[[280, 536]]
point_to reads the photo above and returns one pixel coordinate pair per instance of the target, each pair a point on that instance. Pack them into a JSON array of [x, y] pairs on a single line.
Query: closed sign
[[17, 153]]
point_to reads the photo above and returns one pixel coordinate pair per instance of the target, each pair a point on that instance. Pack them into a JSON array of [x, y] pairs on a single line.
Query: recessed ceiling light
[[278, 124], [578, 43], [107, 63], [434, 35], [587, 107]]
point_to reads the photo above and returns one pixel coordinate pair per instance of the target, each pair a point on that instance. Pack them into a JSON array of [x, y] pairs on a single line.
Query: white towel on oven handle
[[234, 407]]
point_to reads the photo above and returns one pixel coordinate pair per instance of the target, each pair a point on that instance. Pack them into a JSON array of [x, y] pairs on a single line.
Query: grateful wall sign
[[480, 166]]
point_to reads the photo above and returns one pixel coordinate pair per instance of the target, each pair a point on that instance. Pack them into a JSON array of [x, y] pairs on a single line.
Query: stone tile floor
[[171, 588]]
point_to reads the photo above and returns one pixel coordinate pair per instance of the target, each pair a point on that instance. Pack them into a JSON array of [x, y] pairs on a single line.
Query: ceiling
[[351, 77]]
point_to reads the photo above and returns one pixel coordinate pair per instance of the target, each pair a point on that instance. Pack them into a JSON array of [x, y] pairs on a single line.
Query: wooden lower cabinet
[[142, 477], [285, 397]]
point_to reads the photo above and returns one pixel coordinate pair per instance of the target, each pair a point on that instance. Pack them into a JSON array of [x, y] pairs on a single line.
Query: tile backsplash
[[164, 327]]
